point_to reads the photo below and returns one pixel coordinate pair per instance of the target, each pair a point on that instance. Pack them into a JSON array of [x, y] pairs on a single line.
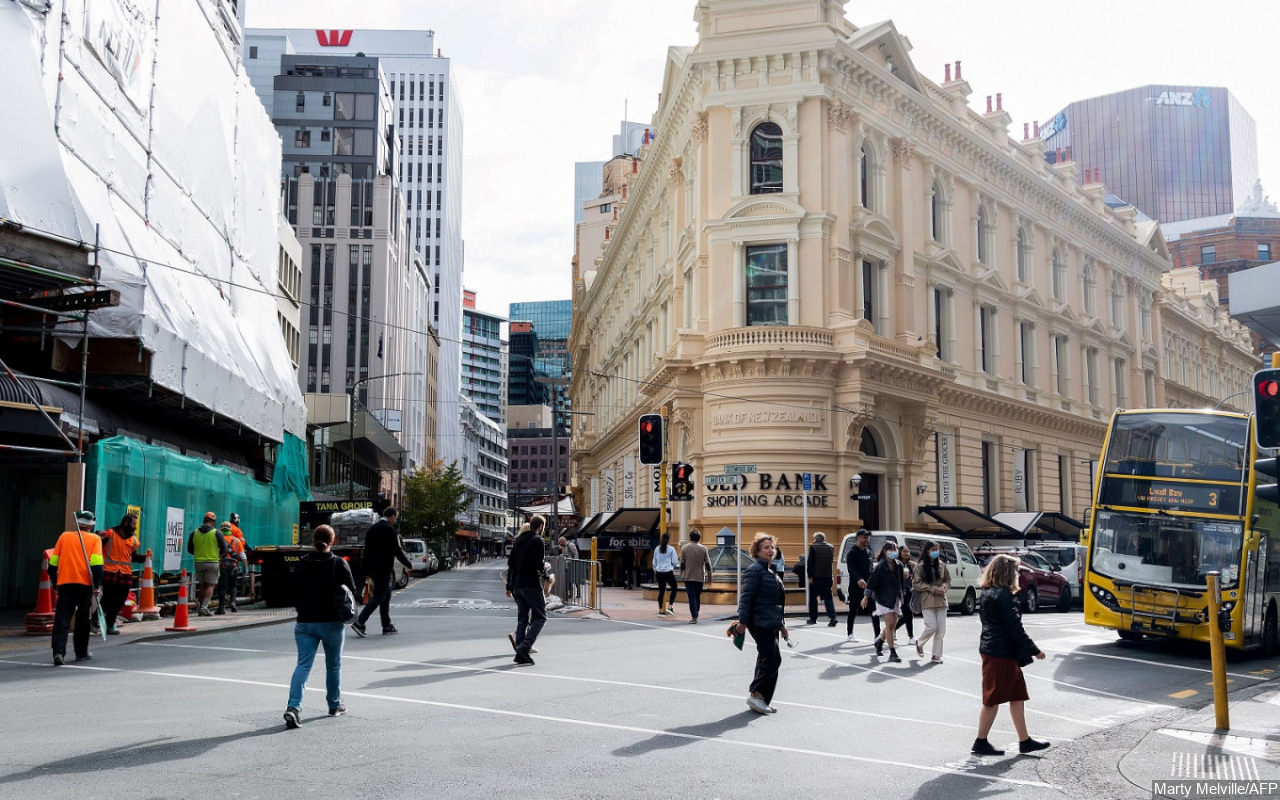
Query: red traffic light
[[1268, 388]]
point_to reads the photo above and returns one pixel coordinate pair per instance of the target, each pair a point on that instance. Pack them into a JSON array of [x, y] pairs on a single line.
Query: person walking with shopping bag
[[929, 585], [1005, 648], [760, 613]]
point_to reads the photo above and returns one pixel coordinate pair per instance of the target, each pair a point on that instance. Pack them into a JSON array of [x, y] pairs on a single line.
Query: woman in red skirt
[[1006, 649]]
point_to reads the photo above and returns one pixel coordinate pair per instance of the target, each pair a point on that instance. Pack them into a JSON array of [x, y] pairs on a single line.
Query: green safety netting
[[123, 472]]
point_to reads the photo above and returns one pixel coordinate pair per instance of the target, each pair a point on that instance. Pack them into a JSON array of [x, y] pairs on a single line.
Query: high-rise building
[[913, 309], [484, 472], [484, 367], [523, 389], [586, 174], [1174, 152], [428, 124]]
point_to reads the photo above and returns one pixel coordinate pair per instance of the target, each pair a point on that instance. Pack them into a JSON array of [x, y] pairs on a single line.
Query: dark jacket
[[525, 564], [1002, 632], [859, 563], [760, 605], [821, 559], [318, 575], [382, 548], [884, 587]]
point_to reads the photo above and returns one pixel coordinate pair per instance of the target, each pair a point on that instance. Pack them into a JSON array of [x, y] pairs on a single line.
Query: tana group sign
[[783, 489]]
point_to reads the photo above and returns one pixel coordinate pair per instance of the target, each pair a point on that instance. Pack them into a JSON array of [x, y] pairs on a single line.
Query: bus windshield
[[1162, 549], [1164, 444]]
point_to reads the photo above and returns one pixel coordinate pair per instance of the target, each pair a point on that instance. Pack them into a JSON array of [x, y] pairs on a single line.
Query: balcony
[[769, 337]]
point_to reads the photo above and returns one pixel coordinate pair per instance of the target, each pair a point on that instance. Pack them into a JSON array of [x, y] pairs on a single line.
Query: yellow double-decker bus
[[1174, 500]]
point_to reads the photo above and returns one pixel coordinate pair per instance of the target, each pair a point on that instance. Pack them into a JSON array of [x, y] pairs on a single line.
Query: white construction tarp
[[565, 507], [156, 137]]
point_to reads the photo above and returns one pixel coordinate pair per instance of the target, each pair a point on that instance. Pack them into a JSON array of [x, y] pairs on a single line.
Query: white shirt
[[665, 562]]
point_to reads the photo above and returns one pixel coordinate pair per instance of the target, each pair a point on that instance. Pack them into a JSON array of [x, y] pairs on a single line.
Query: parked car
[[961, 563], [1041, 584], [1069, 558], [420, 556]]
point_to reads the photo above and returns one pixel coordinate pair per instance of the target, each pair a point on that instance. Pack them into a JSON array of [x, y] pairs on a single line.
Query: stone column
[[739, 285], [793, 281]]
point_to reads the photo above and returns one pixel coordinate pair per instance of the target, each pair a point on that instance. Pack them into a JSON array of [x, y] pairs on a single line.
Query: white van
[[964, 568]]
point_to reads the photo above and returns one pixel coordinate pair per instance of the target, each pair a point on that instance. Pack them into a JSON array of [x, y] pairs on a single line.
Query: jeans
[[531, 615], [309, 636], [73, 601], [768, 660], [694, 590], [935, 625], [380, 598], [666, 580], [821, 589]]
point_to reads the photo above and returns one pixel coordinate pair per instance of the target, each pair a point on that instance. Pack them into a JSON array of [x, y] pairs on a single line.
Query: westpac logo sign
[[333, 38], [1199, 98]]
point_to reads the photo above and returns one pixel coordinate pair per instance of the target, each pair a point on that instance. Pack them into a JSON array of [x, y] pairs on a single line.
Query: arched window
[[935, 212], [1059, 274], [869, 446], [1022, 256], [984, 237], [1089, 281], [864, 186], [766, 158]]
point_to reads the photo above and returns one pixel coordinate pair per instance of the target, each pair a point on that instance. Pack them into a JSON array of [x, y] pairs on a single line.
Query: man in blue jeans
[[381, 549], [524, 583], [319, 622], [695, 571]]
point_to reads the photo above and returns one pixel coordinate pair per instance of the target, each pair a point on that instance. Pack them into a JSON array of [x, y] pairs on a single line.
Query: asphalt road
[[612, 709]]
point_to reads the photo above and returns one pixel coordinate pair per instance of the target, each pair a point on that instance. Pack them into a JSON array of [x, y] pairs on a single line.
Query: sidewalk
[[631, 605]]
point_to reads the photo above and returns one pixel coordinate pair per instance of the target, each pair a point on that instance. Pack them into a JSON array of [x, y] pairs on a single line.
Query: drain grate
[[1209, 766]]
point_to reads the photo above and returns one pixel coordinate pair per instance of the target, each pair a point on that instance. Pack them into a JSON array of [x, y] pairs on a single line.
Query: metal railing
[[573, 581]]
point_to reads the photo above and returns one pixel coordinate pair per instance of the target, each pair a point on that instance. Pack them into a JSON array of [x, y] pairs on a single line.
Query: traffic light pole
[[662, 483]]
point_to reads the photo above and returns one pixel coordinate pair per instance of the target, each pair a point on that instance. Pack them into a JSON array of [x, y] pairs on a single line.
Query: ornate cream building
[[827, 263]]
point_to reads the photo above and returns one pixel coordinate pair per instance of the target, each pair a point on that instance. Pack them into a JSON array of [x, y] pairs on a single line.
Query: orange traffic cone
[[180, 615], [147, 606], [40, 621]]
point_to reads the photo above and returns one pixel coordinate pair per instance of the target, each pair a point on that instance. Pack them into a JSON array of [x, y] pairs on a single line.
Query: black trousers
[[694, 590], [768, 660], [855, 608], [531, 615], [380, 599], [114, 592], [666, 580], [227, 588], [820, 589], [73, 601], [905, 617]]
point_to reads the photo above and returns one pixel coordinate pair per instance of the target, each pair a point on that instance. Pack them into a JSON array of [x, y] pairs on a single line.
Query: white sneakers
[[758, 705], [852, 639]]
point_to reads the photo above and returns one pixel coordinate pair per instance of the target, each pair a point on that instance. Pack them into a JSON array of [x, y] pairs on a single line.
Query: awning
[[1051, 526], [465, 534], [969, 523], [628, 527], [564, 508], [588, 527]]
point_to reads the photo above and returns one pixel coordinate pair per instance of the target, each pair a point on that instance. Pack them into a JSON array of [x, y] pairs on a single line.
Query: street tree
[[433, 499]]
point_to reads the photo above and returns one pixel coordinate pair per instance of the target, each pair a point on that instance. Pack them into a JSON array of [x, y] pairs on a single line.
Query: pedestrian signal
[[1266, 407], [651, 442], [681, 482]]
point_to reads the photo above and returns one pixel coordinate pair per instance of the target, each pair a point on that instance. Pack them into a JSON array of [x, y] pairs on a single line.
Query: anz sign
[[1199, 98], [1054, 126]]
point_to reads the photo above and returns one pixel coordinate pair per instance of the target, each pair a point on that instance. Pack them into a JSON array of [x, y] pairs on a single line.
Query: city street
[[631, 706]]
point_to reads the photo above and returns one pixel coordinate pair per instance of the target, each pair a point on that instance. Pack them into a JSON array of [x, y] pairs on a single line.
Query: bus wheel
[[1269, 637], [1129, 636], [970, 602]]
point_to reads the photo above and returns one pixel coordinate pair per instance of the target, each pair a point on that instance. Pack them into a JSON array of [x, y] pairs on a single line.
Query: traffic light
[[681, 482], [1266, 491], [1266, 406], [651, 449]]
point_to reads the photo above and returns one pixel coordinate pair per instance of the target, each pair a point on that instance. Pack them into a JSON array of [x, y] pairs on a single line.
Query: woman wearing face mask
[[930, 582], [884, 588]]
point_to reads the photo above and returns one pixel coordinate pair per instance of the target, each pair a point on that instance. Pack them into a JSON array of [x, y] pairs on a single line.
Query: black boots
[[981, 747]]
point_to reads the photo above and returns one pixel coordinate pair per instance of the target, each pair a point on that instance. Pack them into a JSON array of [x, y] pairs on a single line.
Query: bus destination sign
[[1149, 493]]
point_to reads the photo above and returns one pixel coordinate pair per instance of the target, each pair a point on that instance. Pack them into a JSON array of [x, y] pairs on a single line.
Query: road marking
[[503, 712], [878, 670], [1184, 694], [346, 654], [1229, 680], [1147, 663], [1257, 748]]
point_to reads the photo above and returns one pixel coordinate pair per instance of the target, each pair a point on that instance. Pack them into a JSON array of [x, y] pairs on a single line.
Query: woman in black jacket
[[905, 616], [884, 588], [1005, 648], [760, 612], [319, 622]]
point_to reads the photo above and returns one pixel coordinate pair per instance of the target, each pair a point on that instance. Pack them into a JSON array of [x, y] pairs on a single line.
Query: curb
[[208, 631]]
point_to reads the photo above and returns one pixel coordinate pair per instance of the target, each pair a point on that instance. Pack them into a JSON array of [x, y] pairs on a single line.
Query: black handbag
[[344, 601]]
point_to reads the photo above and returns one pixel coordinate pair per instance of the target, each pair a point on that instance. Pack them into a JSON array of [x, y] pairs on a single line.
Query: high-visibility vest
[[69, 558], [235, 546], [205, 545], [117, 552]]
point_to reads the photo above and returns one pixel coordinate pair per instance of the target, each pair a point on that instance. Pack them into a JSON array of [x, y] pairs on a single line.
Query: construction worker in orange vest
[[75, 567], [120, 551], [229, 569]]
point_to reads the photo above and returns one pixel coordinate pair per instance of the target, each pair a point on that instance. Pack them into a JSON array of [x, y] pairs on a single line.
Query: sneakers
[[981, 747], [919, 647], [523, 658], [338, 710], [359, 629], [1029, 745], [113, 631], [831, 623], [201, 611], [851, 639], [893, 657], [291, 718], [811, 622], [220, 612], [389, 629], [693, 621], [58, 660], [773, 710], [234, 609], [936, 660], [757, 704], [89, 657], [879, 647]]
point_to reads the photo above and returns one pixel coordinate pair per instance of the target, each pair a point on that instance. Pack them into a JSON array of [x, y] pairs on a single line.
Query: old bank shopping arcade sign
[[766, 489]]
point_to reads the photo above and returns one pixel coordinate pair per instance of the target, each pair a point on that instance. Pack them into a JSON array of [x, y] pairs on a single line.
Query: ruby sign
[[333, 38]]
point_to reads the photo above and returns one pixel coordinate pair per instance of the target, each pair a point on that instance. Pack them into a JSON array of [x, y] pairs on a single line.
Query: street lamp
[[351, 426]]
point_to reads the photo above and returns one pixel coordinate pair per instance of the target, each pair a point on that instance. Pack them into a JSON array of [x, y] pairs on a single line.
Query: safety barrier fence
[[574, 577]]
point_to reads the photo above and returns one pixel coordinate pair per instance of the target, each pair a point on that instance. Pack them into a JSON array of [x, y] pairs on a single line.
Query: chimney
[[999, 101], [606, 234], [1026, 130], [958, 71], [624, 191], [1057, 155], [615, 209], [988, 104], [635, 165], [947, 79], [437, 52], [1068, 152], [1036, 128]]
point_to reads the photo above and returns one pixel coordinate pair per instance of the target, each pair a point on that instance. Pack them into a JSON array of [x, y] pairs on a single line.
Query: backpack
[[344, 602]]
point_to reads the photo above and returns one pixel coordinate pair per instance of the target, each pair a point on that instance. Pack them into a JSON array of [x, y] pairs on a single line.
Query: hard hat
[[86, 517]]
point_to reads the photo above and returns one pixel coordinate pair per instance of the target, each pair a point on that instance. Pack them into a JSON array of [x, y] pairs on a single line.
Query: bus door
[[1255, 587]]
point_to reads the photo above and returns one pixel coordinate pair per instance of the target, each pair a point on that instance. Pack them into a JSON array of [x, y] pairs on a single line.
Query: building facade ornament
[[839, 116]]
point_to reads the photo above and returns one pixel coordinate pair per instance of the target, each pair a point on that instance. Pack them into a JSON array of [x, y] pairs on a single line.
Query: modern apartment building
[[1174, 152], [828, 263], [484, 471], [484, 366], [427, 116]]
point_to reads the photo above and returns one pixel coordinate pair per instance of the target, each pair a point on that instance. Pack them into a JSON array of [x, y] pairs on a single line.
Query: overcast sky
[[543, 84]]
